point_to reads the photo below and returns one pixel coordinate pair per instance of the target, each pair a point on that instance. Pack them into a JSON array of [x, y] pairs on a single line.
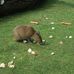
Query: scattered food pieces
[[70, 37], [2, 65], [34, 22], [52, 53], [11, 64], [43, 41], [52, 23], [14, 57], [53, 28], [29, 50], [46, 18], [33, 52], [24, 41], [61, 42], [50, 36], [66, 36]]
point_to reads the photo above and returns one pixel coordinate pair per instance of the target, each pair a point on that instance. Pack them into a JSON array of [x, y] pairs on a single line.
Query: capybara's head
[[37, 37]]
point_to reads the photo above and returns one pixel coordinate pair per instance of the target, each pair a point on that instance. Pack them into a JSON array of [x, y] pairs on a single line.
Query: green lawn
[[62, 62]]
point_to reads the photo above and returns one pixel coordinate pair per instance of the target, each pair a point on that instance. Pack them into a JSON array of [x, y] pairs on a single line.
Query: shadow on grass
[[45, 4], [41, 4], [49, 3], [66, 3]]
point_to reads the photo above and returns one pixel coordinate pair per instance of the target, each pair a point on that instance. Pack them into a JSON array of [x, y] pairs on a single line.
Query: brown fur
[[21, 33]]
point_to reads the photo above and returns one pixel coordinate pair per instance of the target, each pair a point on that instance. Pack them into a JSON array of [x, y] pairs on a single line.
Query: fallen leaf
[[34, 22], [65, 23]]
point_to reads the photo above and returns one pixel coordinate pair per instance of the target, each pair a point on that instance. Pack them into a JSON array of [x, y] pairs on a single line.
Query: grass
[[45, 63]]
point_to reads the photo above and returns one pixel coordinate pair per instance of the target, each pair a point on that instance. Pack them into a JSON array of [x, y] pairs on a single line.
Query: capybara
[[28, 33]]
